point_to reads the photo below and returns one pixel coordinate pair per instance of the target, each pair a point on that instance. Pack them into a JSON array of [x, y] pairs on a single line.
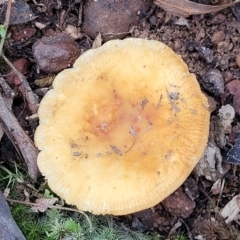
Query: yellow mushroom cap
[[123, 128]]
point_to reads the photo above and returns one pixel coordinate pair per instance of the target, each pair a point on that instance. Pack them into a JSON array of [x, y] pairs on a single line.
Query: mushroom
[[122, 129]]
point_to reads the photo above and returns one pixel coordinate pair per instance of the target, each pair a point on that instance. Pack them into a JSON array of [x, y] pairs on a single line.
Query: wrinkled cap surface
[[123, 128]]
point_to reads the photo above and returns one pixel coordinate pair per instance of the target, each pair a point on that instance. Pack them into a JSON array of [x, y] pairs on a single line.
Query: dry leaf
[[44, 82], [185, 8], [73, 32], [210, 165], [231, 210], [216, 187], [182, 22], [42, 204], [6, 192], [40, 25], [97, 42]]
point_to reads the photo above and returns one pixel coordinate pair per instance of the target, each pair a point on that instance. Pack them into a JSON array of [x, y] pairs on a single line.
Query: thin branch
[[7, 91], [8, 13], [31, 98], [19, 138], [6, 24]]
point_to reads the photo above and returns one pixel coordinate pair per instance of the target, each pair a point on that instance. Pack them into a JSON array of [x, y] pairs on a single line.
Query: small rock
[[153, 20], [20, 13], [205, 53], [112, 19], [219, 18], [191, 46], [56, 52], [238, 60], [217, 37], [9, 229], [227, 76], [232, 95], [213, 82], [178, 204]]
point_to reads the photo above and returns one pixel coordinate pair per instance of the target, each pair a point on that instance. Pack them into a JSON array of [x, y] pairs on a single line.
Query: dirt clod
[[179, 204], [25, 33], [56, 52]]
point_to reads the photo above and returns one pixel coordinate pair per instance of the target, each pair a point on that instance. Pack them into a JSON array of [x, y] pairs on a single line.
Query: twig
[[31, 99], [55, 207], [19, 138], [8, 13], [8, 92], [80, 13], [6, 23]]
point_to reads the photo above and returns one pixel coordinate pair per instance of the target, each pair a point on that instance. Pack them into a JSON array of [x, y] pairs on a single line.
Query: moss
[[57, 224]]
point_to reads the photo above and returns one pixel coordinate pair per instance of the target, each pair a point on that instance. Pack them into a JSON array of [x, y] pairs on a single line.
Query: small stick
[[19, 138], [6, 23], [31, 98], [7, 91], [80, 12]]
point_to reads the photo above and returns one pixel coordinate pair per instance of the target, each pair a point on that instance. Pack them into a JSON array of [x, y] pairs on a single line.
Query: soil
[[209, 44]]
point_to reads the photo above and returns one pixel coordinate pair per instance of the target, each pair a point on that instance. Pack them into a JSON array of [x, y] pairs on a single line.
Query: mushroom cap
[[122, 129]]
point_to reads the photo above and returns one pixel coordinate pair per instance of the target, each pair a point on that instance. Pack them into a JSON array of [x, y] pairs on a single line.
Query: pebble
[[217, 37], [219, 18], [238, 60], [213, 82], [112, 19], [205, 53], [56, 52], [227, 75]]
